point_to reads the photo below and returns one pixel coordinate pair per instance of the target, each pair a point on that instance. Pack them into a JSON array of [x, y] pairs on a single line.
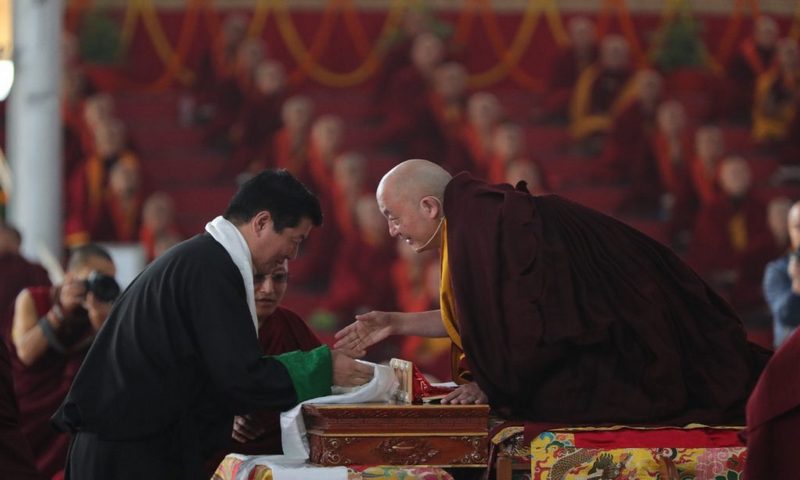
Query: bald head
[[411, 197], [414, 179]]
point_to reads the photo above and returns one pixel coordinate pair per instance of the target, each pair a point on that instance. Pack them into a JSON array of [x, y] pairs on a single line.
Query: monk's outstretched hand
[[469, 393], [368, 329], [347, 372]]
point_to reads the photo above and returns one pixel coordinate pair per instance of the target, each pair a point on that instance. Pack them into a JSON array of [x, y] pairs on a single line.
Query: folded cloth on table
[[293, 429], [284, 468]]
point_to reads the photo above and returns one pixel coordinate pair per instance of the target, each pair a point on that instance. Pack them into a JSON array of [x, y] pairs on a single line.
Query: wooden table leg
[[503, 467]]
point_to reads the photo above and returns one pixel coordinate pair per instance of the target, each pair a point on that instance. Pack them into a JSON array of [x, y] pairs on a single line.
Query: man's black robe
[[569, 316], [177, 358]]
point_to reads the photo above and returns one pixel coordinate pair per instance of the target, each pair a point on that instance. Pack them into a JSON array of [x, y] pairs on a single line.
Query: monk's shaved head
[[414, 179], [411, 197]]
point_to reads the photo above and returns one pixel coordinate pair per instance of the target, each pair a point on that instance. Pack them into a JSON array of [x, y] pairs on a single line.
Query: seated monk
[[217, 62], [52, 330], [290, 143], [279, 331], [327, 137], [754, 57], [483, 114], [448, 98], [97, 209], [16, 459], [528, 171], [602, 90], [409, 127], [728, 232], [17, 273], [568, 64], [158, 225], [75, 90], [417, 19], [709, 147], [361, 277], [432, 355], [672, 148], [628, 151], [260, 116], [409, 279], [776, 94], [349, 180], [508, 144], [312, 268], [98, 111], [562, 314], [232, 94], [773, 416]]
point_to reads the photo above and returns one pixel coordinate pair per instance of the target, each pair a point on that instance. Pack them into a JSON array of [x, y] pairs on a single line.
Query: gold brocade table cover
[[231, 469], [694, 452]]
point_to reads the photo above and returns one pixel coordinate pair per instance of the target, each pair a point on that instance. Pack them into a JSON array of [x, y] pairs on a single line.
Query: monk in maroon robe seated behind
[[16, 273], [279, 331], [52, 331], [562, 314], [16, 460], [731, 237], [773, 416], [568, 64]]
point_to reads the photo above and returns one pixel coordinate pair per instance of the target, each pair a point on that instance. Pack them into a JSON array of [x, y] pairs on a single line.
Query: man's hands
[[347, 372], [368, 329], [246, 428], [467, 394]]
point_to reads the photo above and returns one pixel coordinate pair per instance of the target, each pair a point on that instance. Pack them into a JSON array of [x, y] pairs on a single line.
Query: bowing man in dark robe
[[179, 355], [562, 314]]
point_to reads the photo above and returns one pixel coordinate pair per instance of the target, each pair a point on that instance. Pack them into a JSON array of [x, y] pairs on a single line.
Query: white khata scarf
[[227, 235]]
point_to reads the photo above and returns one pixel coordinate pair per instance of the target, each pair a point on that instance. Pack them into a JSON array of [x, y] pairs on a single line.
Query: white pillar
[[34, 126]]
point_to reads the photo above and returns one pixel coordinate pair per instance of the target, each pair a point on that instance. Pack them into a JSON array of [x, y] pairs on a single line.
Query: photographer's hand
[[71, 295], [98, 310]]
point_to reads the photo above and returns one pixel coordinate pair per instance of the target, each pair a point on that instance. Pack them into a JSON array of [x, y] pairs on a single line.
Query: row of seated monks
[[625, 116]]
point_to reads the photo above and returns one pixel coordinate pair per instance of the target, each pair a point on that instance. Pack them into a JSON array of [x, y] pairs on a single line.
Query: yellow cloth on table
[[234, 467], [561, 454]]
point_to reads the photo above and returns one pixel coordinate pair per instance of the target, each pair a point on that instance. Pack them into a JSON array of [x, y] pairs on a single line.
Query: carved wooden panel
[[399, 450], [381, 419]]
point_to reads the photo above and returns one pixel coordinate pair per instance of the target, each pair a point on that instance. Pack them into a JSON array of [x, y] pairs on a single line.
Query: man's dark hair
[[286, 199], [81, 255]]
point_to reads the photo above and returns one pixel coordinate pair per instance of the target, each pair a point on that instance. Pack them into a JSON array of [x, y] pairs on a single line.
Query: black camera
[[104, 287]]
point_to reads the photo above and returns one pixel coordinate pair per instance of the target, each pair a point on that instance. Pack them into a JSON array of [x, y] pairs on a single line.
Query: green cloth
[[311, 372]]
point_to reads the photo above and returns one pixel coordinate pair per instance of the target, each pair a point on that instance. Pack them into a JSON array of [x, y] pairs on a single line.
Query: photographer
[[782, 284], [51, 332]]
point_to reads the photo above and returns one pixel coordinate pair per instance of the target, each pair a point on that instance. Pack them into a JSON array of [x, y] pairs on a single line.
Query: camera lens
[[104, 287]]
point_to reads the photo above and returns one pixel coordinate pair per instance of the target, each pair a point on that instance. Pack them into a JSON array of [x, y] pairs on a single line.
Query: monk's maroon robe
[[567, 315], [773, 416]]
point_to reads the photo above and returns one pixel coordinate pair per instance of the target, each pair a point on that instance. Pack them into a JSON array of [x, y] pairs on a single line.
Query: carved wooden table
[[380, 434]]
